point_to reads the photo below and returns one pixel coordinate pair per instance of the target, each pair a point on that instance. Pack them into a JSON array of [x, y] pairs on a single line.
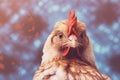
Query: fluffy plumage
[[68, 70], [68, 54]]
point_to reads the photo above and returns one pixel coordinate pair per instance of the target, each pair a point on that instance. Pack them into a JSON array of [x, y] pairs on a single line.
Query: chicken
[[68, 54]]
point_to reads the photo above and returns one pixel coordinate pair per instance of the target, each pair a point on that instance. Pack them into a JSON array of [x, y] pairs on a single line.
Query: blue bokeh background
[[25, 25]]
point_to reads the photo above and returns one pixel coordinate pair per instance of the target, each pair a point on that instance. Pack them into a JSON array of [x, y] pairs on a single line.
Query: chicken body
[[68, 54], [68, 70]]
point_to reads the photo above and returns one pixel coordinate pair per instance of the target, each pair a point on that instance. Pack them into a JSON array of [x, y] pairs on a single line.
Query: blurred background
[[25, 25]]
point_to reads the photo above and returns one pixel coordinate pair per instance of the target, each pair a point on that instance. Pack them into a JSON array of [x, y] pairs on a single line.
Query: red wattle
[[65, 52]]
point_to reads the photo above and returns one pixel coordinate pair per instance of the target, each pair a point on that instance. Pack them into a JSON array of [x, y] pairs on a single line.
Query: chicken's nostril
[[72, 37]]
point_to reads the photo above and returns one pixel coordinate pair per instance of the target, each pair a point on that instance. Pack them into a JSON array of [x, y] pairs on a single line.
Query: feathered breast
[[68, 70]]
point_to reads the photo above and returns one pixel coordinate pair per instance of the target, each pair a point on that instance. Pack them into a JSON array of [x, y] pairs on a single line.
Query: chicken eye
[[81, 36], [60, 35], [57, 37]]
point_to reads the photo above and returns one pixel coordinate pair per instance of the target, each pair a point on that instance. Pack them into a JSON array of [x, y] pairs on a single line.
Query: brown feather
[[72, 68]]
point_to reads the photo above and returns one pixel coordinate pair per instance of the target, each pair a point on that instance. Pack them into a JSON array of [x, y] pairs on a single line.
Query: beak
[[73, 41]]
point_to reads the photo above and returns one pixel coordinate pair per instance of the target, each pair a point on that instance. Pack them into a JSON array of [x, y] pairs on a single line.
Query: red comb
[[72, 23]]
